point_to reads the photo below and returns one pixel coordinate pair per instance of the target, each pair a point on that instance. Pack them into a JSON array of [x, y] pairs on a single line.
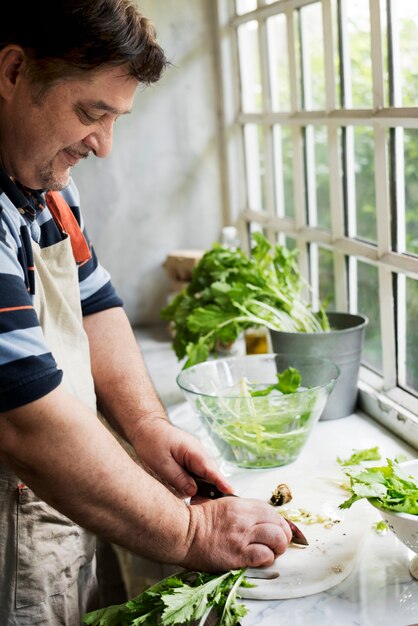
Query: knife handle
[[207, 489]]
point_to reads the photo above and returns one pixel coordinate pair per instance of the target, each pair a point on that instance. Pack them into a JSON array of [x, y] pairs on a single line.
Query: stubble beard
[[49, 180]]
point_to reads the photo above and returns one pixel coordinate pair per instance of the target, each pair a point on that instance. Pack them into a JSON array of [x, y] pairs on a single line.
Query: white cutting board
[[333, 548]]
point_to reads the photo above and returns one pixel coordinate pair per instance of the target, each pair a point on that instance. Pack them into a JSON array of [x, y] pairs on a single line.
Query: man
[[68, 70]]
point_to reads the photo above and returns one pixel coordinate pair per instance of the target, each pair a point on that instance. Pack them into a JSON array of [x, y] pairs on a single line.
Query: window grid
[[387, 124]]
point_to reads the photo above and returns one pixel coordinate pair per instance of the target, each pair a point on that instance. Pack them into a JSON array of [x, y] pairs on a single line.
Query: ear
[[11, 62]]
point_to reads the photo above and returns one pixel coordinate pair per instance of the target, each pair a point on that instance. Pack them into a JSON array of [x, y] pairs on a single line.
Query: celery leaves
[[288, 381], [230, 292], [358, 456], [179, 599], [388, 486]]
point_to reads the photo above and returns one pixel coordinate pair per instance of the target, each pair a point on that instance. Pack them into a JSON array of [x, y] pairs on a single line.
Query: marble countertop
[[379, 591]]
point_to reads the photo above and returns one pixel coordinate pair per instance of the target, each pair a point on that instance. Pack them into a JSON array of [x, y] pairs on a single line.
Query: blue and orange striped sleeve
[[28, 370]]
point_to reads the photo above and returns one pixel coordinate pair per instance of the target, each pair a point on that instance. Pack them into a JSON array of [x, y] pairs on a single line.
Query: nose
[[100, 141]]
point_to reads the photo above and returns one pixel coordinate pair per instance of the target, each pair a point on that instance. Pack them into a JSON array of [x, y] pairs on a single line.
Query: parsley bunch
[[180, 599], [230, 292]]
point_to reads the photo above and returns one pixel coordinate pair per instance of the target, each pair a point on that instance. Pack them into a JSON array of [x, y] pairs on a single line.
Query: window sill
[[394, 409]]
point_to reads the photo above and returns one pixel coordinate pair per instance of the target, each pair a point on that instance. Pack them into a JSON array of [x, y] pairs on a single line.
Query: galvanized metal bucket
[[343, 345]]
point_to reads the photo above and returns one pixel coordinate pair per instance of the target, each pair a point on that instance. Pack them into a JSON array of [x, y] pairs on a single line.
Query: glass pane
[[326, 280], [283, 170], [404, 15], [254, 227], [411, 334], [385, 53], [290, 242], [368, 304], [364, 184], [322, 177], [318, 176], [249, 62], [313, 69], [409, 221], [279, 63], [358, 77], [286, 241], [245, 6], [254, 158], [296, 38], [334, 17]]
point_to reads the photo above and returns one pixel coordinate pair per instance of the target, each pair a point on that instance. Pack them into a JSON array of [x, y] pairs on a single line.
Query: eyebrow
[[103, 106]]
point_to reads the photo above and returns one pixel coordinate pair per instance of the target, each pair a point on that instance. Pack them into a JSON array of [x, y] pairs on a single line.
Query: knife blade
[[208, 490]]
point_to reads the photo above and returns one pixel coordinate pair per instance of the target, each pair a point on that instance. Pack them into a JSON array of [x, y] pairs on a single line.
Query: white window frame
[[379, 395]]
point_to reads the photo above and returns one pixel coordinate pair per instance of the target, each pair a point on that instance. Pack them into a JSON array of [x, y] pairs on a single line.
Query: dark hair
[[62, 39]]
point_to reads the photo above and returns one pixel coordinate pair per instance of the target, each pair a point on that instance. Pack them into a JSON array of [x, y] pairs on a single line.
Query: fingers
[[241, 532], [259, 555], [200, 464], [272, 536], [268, 542], [182, 482], [187, 455], [211, 473]]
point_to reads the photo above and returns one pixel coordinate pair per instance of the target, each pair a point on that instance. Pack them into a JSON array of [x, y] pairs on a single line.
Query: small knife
[[208, 490]]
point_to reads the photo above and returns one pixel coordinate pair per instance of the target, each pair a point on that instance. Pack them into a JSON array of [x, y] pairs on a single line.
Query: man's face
[[40, 142]]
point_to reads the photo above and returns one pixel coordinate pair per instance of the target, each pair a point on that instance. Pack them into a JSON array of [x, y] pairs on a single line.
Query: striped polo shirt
[[28, 370]]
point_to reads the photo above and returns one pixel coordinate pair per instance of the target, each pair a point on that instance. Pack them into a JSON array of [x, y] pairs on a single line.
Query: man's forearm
[[124, 389], [58, 448]]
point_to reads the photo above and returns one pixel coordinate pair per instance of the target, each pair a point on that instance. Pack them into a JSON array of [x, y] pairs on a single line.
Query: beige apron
[[47, 563]]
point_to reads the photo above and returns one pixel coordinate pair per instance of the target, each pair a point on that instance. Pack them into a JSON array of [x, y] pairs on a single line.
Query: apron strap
[[66, 221]]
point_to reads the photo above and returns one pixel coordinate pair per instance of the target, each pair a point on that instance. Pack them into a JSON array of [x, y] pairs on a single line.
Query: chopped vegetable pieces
[[380, 527], [307, 517]]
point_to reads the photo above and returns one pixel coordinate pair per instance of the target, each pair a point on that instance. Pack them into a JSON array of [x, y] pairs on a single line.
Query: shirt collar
[[27, 201]]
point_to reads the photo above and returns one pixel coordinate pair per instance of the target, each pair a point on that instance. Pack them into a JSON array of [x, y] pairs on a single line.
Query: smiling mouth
[[73, 158]]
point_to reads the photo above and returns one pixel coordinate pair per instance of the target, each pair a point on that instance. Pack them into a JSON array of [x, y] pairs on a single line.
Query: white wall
[[160, 188]]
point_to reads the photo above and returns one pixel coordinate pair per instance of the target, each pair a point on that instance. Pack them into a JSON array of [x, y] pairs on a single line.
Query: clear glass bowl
[[261, 432], [405, 525]]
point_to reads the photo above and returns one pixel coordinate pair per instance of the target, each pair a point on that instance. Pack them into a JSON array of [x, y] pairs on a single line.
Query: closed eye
[[86, 117]]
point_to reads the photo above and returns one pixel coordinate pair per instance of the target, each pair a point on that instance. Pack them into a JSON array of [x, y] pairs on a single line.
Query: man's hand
[[235, 532], [171, 454]]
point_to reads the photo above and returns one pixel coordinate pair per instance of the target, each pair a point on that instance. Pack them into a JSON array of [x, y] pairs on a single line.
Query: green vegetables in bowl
[[390, 487], [393, 491], [259, 409], [254, 441]]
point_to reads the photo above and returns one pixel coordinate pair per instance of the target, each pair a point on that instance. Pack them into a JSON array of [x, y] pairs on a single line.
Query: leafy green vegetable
[[179, 599], [230, 292], [288, 381], [387, 486], [262, 429], [358, 456]]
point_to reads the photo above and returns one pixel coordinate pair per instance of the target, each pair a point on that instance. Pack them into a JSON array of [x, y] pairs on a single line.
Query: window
[[320, 104]]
